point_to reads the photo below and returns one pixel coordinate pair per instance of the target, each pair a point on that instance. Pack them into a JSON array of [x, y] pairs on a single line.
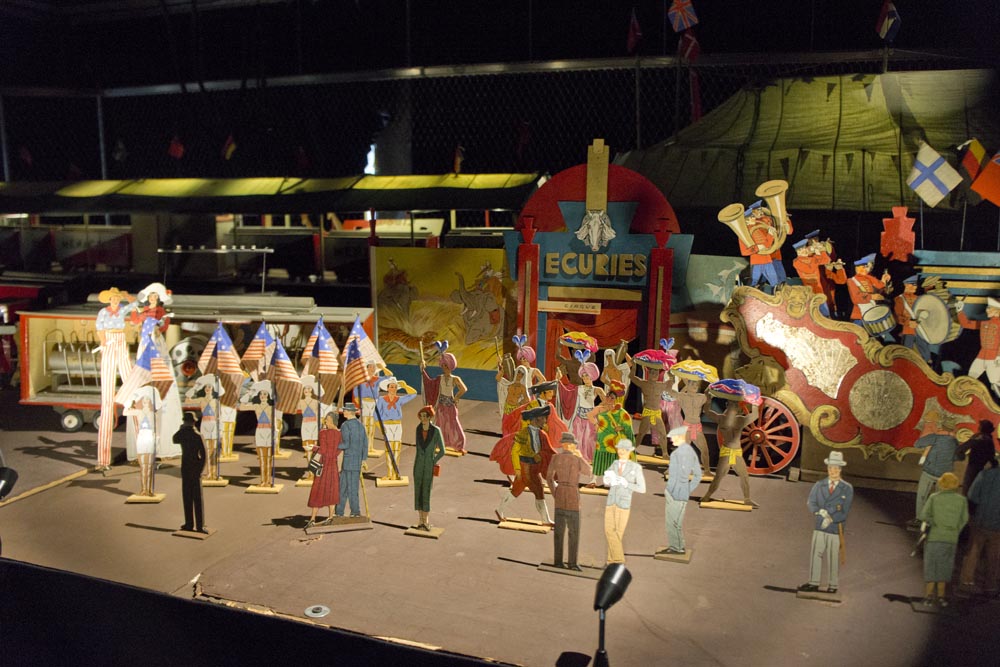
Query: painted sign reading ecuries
[[622, 261]]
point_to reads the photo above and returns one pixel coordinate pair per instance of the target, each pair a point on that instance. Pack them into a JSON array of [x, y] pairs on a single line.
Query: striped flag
[[219, 356], [355, 367], [365, 345], [150, 368], [682, 15], [320, 359], [287, 384], [259, 351]]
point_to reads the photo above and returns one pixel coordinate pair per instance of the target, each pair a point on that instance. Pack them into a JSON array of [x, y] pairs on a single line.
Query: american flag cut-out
[[219, 356], [287, 385], [355, 367], [259, 350], [150, 368], [320, 359], [682, 15], [365, 345]]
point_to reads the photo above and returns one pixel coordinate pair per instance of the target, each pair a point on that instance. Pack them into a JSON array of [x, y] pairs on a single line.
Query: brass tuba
[[733, 217], [773, 192]]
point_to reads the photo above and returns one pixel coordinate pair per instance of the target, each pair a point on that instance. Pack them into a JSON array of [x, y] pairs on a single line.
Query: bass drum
[[936, 323]]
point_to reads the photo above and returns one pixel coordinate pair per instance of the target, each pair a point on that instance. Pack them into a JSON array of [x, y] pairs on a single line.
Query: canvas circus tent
[[842, 142]]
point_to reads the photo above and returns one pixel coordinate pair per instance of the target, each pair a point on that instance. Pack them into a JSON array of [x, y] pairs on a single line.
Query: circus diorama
[[598, 366]]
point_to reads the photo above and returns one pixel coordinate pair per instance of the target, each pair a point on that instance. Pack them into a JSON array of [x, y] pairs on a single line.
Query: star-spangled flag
[[220, 358], [682, 15], [150, 368], [365, 345], [320, 359], [988, 183], [259, 350], [932, 178], [355, 367], [889, 22], [286, 382]]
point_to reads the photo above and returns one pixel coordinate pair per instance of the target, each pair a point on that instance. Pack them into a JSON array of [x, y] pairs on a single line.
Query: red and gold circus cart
[[847, 389]]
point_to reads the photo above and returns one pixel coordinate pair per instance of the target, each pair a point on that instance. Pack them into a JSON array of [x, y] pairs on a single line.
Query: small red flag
[[459, 158], [634, 33], [25, 156], [988, 183], [229, 147], [176, 148]]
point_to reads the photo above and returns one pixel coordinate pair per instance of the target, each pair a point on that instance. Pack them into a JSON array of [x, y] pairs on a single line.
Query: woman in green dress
[[430, 450], [613, 423]]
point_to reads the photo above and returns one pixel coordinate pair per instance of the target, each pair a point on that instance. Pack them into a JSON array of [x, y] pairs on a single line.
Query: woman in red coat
[[325, 490]]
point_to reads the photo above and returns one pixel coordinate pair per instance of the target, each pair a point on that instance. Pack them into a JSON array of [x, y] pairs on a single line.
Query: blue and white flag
[[932, 178]]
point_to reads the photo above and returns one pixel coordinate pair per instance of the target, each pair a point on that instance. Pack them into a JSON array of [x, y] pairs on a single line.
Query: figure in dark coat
[[430, 450], [192, 465], [354, 444]]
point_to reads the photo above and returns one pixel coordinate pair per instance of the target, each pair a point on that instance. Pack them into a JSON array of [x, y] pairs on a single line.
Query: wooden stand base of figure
[[704, 478], [218, 481], [584, 571], [259, 488], [231, 458], [194, 534], [387, 481], [821, 595], [151, 498], [925, 606], [652, 460], [731, 505], [526, 525], [673, 556], [340, 524], [433, 532], [305, 481], [453, 452]]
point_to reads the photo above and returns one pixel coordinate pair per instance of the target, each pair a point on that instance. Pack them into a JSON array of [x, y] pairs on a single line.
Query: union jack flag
[[355, 366], [259, 350], [287, 385], [682, 15], [220, 356], [365, 344], [150, 368], [320, 359]]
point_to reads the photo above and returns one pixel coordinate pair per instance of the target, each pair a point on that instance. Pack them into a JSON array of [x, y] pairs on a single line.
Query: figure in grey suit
[[829, 501], [354, 443]]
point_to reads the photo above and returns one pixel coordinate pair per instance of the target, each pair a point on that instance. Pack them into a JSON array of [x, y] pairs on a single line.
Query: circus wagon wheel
[[771, 441]]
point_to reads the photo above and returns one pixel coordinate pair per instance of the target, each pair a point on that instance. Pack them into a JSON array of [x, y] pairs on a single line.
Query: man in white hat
[[389, 407], [988, 359], [565, 471], [829, 501], [683, 477], [623, 478]]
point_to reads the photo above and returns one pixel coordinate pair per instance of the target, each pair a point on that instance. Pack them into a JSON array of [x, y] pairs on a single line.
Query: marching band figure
[[988, 359], [866, 291]]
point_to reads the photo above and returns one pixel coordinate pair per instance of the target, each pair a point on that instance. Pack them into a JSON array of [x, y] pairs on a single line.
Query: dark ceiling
[[93, 44]]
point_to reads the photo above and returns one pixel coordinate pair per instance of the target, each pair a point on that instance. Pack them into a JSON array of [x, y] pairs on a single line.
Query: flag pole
[[274, 426], [961, 236], [385, 436], [156, 436], [218, 421]]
